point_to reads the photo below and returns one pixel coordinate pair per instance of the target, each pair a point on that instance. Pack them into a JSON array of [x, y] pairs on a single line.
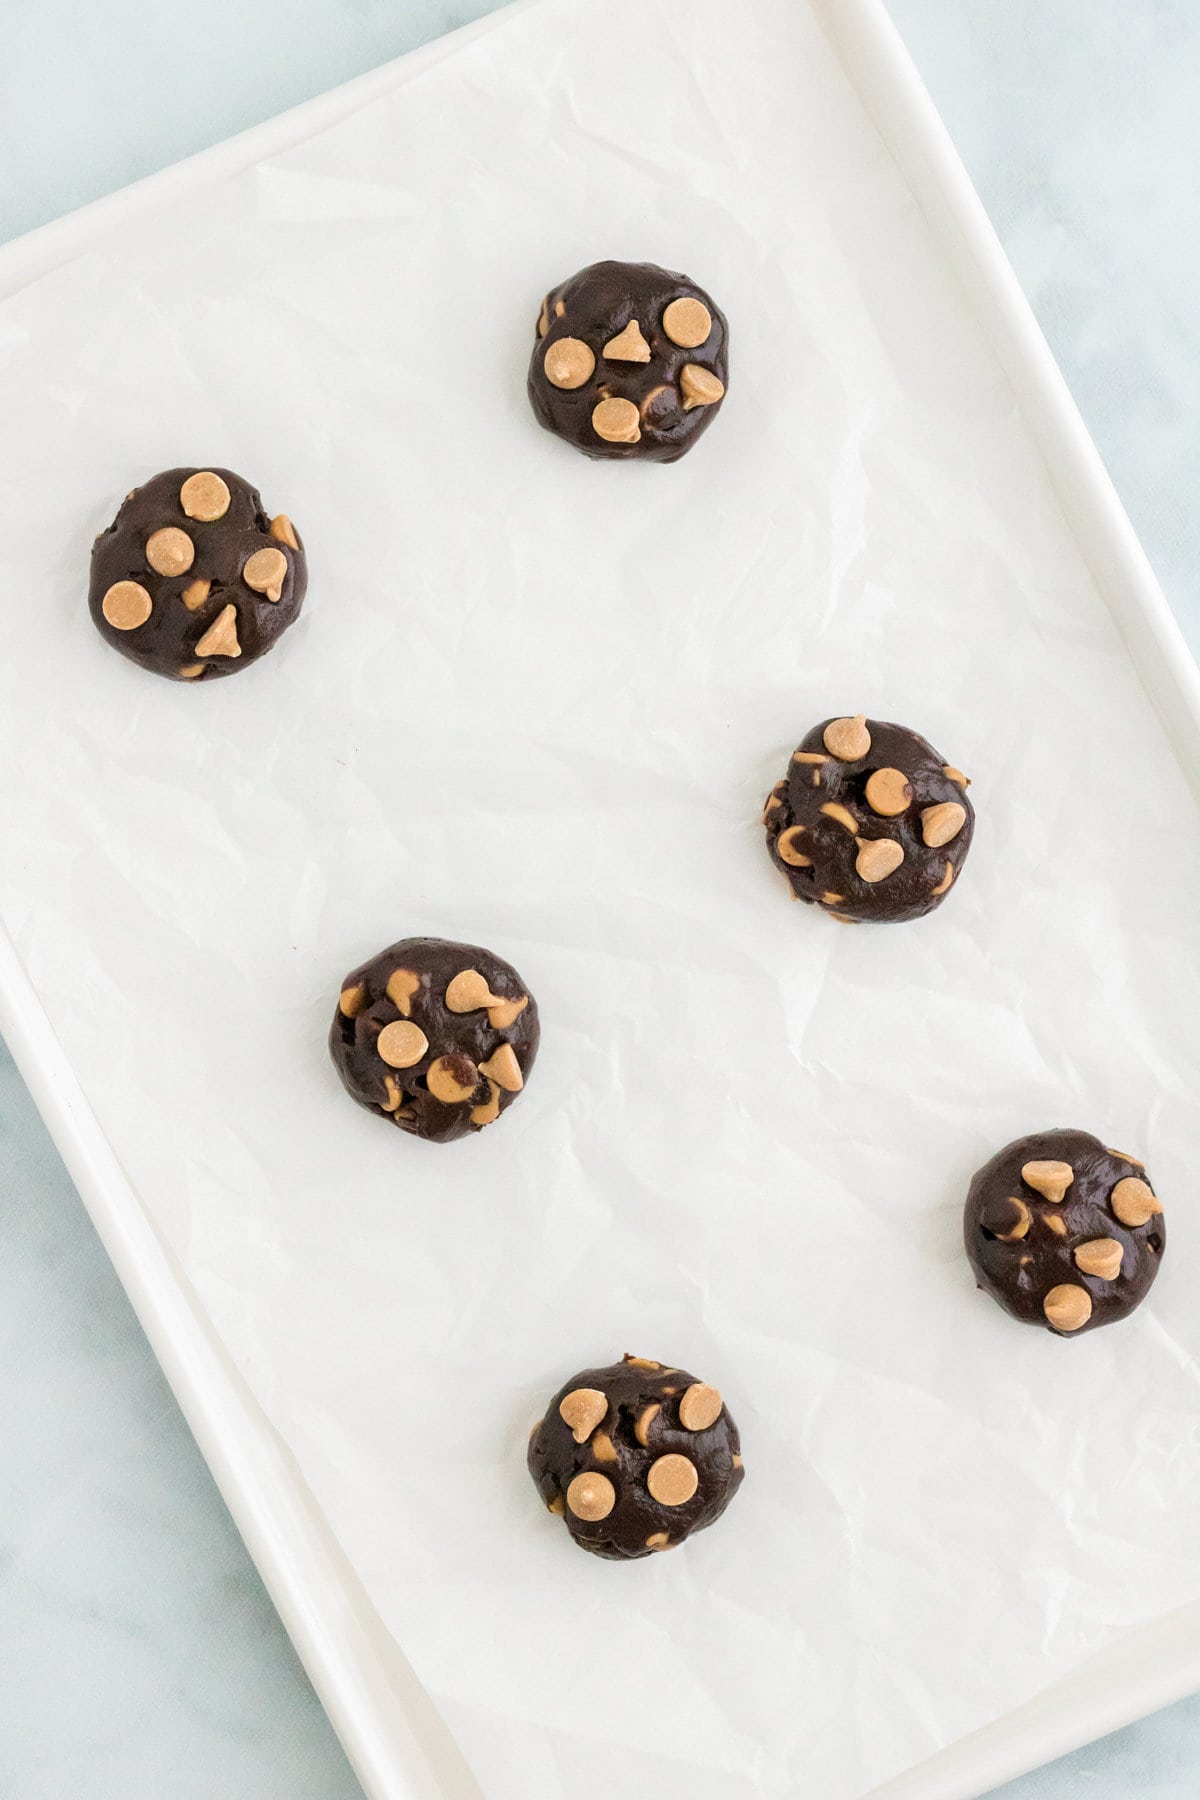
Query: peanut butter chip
[[191, 672], [557, 1506], [469, 992], [170, 551], [788, 846], [848, 739], [126, 605], [1133, 1201], [888, 792], [641, 1362], [1056, 1223], [699, 386], [955, 775], [582, 1409], [877, 858], [221, 638], [282, 528], [841, 814], [628, 345], [503, 1068], [808, 756], [1124, 1156], [489, 1111], [503, 1013], [617, 422], [1067, 1306], [829, 898], [1102, 1257], [1021, 1221], [687, 322], [1051, 1179], [591, 1497], [544, 317], [672, 1480], [265, 572], [603, 1448], [402, 985], [392, 1093], [658, 1540], [452, 1079], [351, 1001], [944, 883], [941, 823], [204, 496], [195, 594], [645, 1420], [700, 1407], [401, 1044], [568, 362]]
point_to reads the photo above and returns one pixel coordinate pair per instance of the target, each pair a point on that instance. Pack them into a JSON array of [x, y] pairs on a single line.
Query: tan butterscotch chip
[[1102, 1257], [829, 898], [808, 756], [591, 1496], [672, 1480], [170, 551], [1067, 1306], [643, 1422], [557, 1506], [617, 422], [351, 1000], [1050, 1179], [195, 594], [402, 985], [944, 883], [658, 1540], [1056, 1223], [956, 775], [700, 1407], [774, 800], [489, 1111], [393, 1094], [544, 317], [265, 572], [877, 858], [569, 362], [848, 739], [1124, 1156], [942, 822], [888, 792], [699, 386], [452, 1079], [841, 815], [126, 605], [503, 1013], [788, 846], [1022, 1220], [560, 307], [687, 322], [1134, 1201], [628, 345], [469, 992], [641, 1362], [603, 1448], [503, 1068], [738, 1463], [582, 1409], [221, 638], [204, 496], [191, 672], [401, 1044], [281, 527]]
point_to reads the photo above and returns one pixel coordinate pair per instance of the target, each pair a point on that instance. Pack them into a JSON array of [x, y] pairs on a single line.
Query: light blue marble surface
[[141, 1658]]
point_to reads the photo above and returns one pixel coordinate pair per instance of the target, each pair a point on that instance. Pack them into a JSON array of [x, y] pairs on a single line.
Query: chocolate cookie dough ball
[[635, 1458], [193, 580], [1064, 1232], [630, 360], [869, 822], [435, 1037]]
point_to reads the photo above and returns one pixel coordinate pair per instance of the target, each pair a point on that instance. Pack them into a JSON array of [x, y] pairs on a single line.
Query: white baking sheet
[[537, 702]]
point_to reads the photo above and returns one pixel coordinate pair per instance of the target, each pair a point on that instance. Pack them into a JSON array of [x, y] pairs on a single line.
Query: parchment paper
[[537, 703]]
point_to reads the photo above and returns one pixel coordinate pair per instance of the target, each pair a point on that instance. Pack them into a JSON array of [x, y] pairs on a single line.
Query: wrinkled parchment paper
[[536, 703]]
